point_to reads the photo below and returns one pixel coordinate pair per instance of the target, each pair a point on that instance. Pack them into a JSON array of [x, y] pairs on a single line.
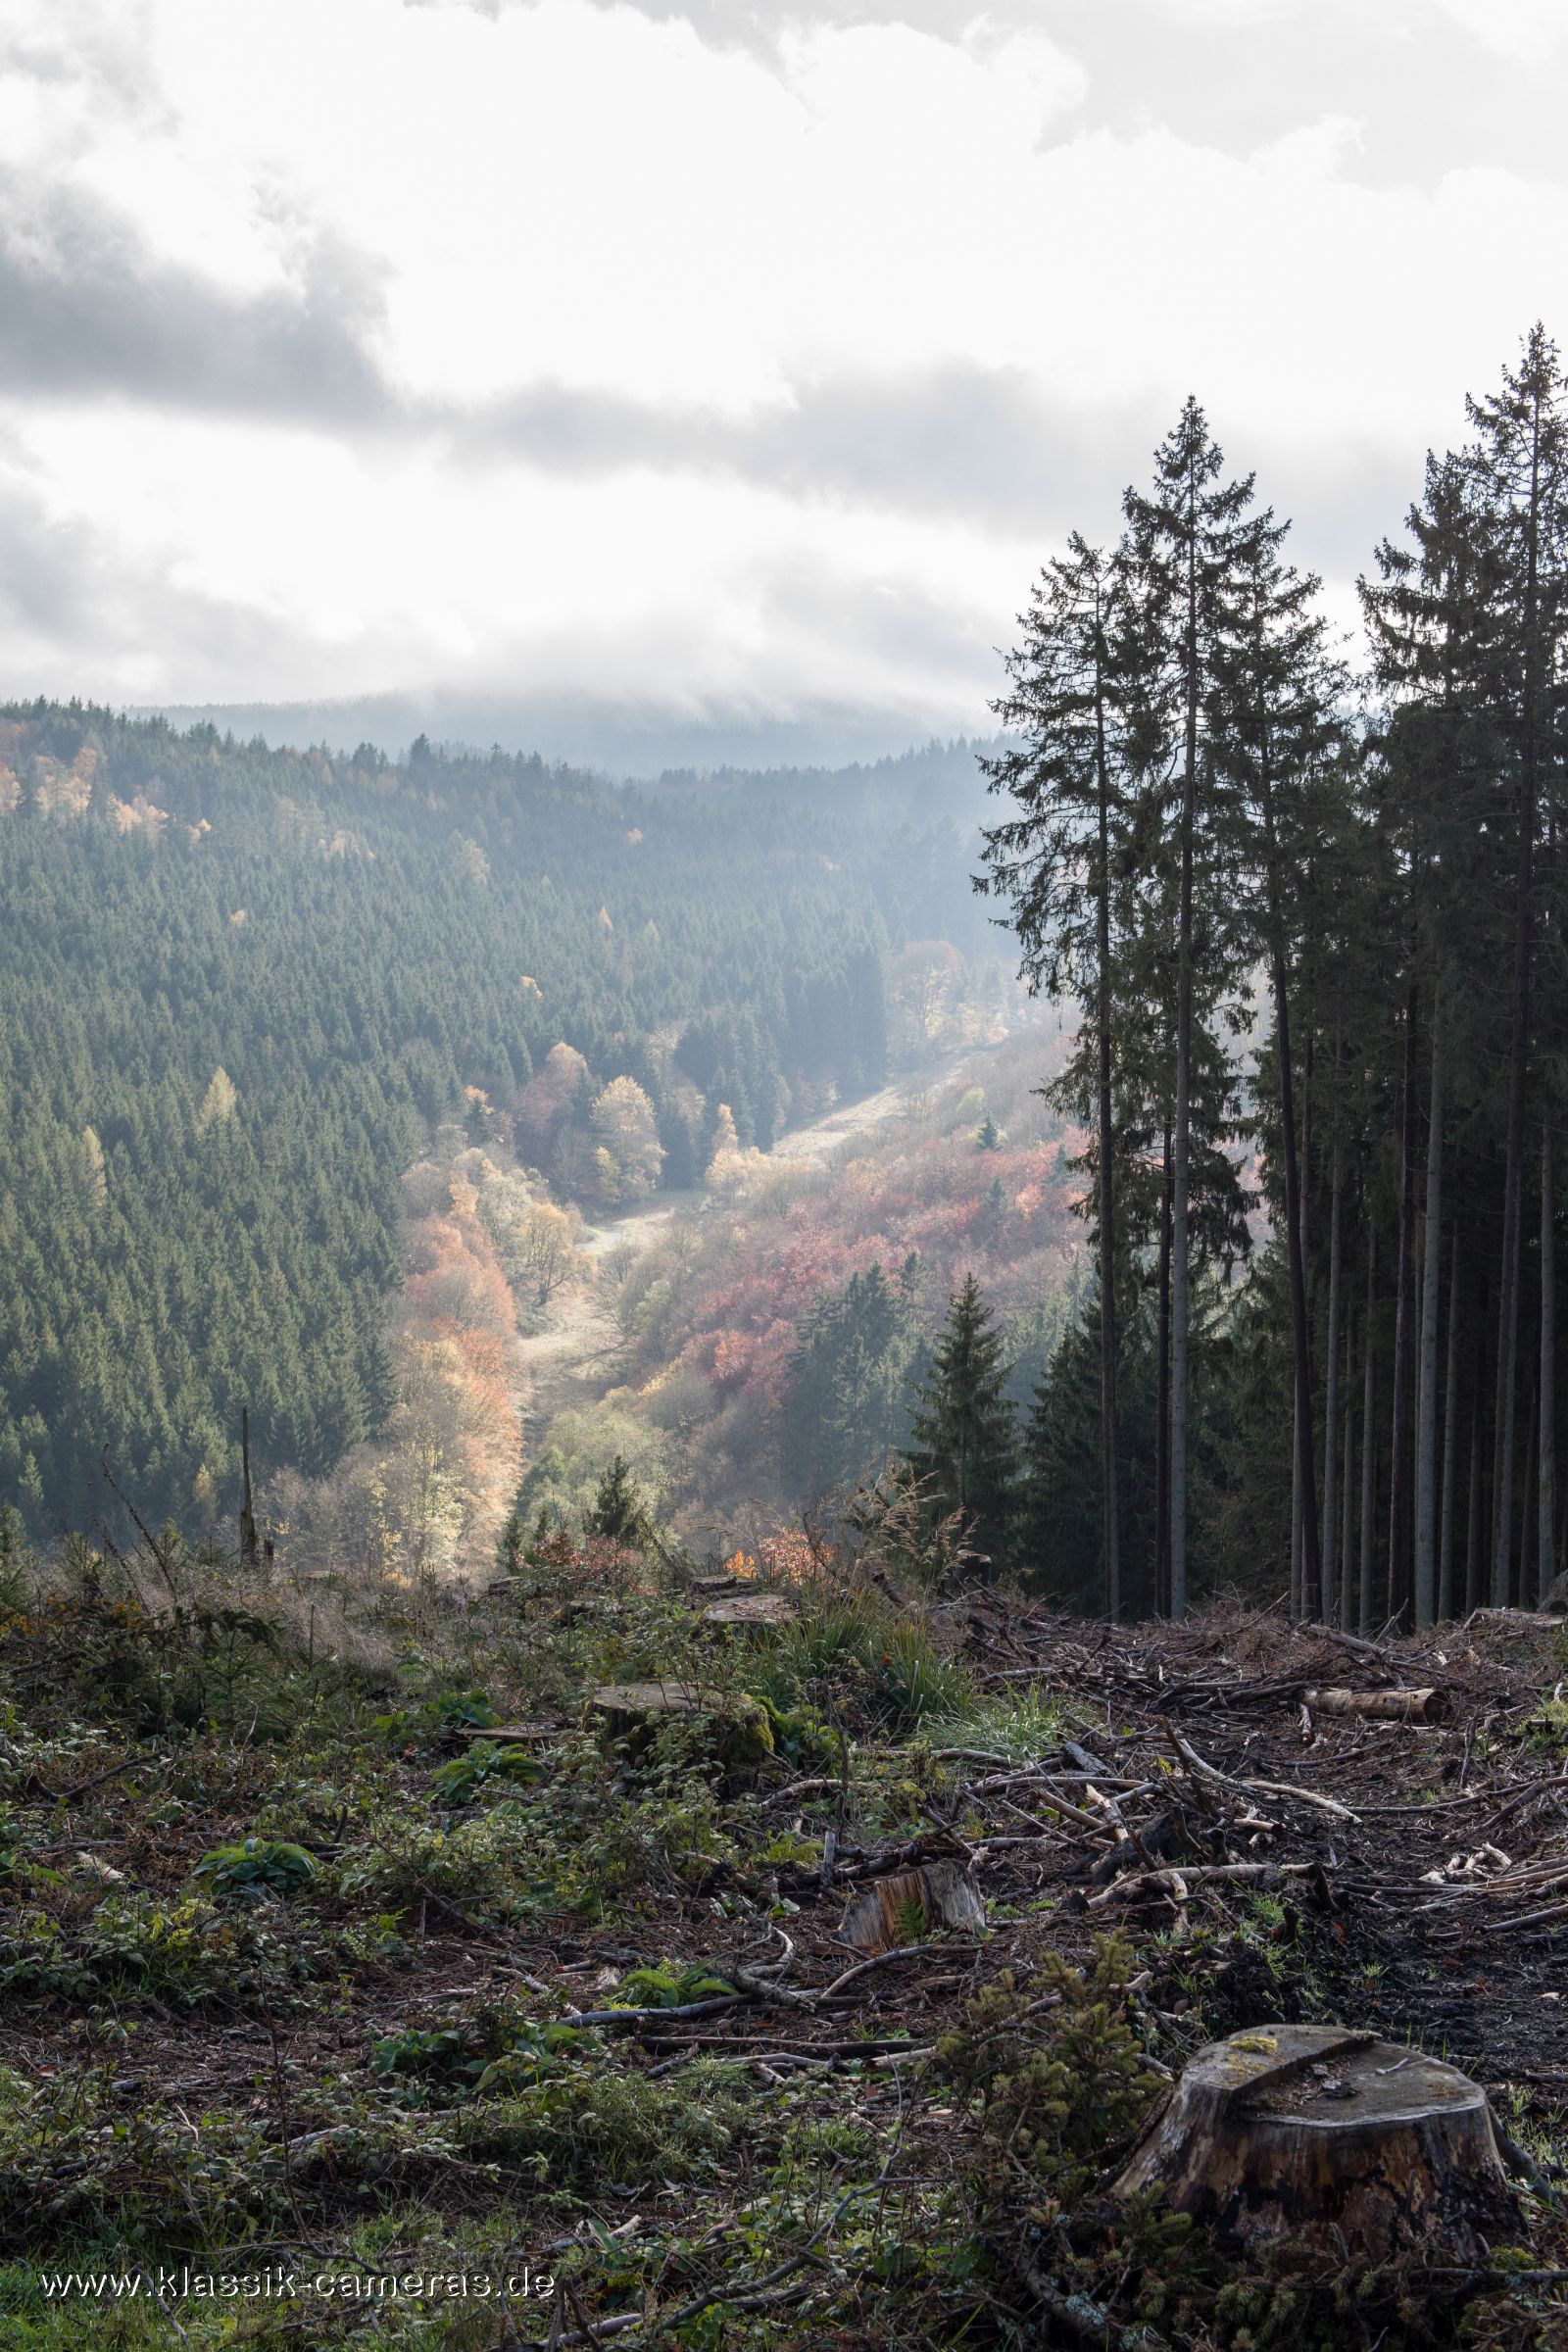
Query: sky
[[732, 366]]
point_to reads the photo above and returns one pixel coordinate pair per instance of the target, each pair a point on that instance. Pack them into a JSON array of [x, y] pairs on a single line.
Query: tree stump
[[906, 1906], [749, 1610], [1329, 2135], [737, 1729]]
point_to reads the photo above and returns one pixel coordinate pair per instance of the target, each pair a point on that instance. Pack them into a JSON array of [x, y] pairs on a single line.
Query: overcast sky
[[744, 359]]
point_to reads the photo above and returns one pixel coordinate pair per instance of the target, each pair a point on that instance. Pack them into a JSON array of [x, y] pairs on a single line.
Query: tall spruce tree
[[1187, 539], [963, 1439], [1052, 863], [1283, 745]]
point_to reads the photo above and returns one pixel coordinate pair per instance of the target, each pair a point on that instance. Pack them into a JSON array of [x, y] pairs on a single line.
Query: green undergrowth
[[294, 1926]]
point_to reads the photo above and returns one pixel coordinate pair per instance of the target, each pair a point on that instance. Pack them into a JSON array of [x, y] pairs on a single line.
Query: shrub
[[459, 1780], [271, 1862], [1057, 2069]]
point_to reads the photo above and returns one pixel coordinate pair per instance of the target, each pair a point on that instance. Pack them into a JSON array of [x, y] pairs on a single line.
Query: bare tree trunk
[[1180, 1267], [1296, 1510], [1368, 1434], [1330, 1375], [1107, 1222], [1426, 1451], [1450, 1448], [1475, 1558], [249, 1546], [1163, 1413], [1513, 1183], [1528, 1521], [1348, 1529], [1306, 1584], [1399, 1438], [1546, 1502]]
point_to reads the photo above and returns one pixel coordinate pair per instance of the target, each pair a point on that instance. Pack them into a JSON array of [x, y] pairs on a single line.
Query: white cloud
[[566, 203], [1524, 28]]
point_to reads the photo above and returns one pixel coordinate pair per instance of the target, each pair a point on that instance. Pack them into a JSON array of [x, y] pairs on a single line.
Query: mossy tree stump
[[1332, 2136], [734, 1727]]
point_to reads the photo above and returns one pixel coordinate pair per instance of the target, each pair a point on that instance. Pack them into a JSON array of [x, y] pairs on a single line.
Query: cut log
[[905, 1906], [1329, 2135], [1382, 1706]]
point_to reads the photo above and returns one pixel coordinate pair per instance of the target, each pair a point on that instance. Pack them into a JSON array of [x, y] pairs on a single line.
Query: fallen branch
[[1179, 1884]]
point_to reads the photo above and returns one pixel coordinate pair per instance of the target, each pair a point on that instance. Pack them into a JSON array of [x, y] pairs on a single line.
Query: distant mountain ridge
[[647, 742]]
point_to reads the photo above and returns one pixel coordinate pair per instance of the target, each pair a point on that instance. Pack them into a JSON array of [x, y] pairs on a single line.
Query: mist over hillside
[[643, 740]]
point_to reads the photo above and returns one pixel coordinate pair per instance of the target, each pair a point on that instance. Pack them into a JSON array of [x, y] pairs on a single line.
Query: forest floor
[[371, 1945]]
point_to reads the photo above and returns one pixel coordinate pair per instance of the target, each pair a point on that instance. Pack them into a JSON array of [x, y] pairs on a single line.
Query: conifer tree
[[619, 1512], [961, 1429], [1187, 541], [1053, 861]]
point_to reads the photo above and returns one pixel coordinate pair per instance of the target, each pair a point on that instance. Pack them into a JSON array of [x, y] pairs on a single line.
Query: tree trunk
[[1450, 1448], [1296, 1510], [1546, 1498], [1316, 2134], [1426, 1449], [1162, 1402], [1108, 1226], [1527, 1518], [1368, 1433], [1307, 1589], [1331, 1380], [1180, 1270], [1475, 1558], [1399, 1594], [249, 1546], [1514, 1182], [1348, 1508], [1180, 1266]]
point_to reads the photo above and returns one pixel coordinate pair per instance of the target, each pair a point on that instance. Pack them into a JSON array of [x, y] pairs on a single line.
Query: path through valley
[[572, 1361]]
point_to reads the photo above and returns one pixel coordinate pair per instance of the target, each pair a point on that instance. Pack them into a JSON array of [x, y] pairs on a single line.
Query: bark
[[1368, 1436], [1400, 1465], [1318, 2134], [1180, 1270], [1162, 1411], [1309, 1588], [1547, 1473], [1526, 1531], [1513, 1184], [1107, 1223], [1296, 1511], [1475, 1559], [1331, 1370], [1426, 1449], [249, 1546], [878, 1918], [1450, 1448], [1426, 1705], [1348, 1508]]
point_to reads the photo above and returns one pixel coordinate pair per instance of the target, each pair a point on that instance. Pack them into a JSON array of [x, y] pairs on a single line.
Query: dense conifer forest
[[1211, 819], [239, 986]]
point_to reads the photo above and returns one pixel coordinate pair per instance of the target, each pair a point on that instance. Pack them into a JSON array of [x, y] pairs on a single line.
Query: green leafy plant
[[660, 1988], [271, 1862], [459, 1782]]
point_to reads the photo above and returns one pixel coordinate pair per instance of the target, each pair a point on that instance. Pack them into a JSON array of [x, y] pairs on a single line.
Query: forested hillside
[[239, 986]]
